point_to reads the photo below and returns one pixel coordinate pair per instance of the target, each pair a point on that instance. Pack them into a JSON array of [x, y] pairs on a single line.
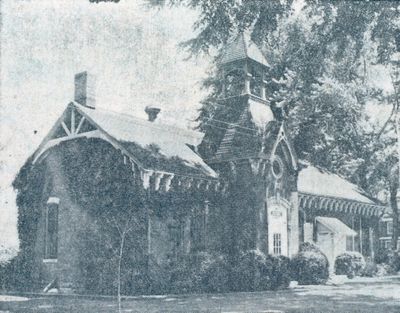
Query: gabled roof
[[336, 226], [315, 181], [240, 48], [153, 146]]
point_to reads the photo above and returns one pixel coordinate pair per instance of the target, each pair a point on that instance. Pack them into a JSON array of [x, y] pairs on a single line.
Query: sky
[[132, 51]]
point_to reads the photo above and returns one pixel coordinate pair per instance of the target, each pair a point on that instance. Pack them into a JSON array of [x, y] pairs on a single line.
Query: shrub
[[247, 271], [394, 261], [309, 247], [382, 256], [370, 269], [182, 278], [276, 273], [255, 271], [203, 272], [310, 266], [213, 274], [350, 264], [383, 270]]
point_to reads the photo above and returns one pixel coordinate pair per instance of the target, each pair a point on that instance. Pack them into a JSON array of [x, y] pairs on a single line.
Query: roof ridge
[[144, 122], [244, 44]]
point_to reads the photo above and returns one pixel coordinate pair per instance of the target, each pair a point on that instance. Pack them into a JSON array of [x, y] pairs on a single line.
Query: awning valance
[[332, 204]]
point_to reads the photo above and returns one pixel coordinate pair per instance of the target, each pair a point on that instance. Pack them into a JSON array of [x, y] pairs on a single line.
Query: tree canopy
[[320, 53], [329, 64]]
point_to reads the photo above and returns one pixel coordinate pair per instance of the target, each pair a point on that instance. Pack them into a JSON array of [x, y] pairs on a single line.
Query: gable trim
[[283, 138], [48, 143]]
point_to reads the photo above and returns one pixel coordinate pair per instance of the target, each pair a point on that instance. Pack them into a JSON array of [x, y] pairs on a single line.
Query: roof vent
[[152, 113], [85, 85]]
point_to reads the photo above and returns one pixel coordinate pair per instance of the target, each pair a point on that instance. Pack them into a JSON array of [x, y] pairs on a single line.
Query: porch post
[[371, 242], [361, 236], [353, 237], [293, 225]]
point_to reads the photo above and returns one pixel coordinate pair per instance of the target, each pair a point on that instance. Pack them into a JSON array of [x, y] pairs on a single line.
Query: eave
[[314, 202]]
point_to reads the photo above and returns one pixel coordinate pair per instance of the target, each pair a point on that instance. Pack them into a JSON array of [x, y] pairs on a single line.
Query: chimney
[[85, 85], [152, 113]]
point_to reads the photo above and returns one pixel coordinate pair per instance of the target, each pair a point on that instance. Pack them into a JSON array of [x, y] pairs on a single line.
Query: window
[[277, 167], [198, 229], [385, 244], [389, 228], [51, 230], [177, 232], [234, 83], [277, 243], [256, 81]]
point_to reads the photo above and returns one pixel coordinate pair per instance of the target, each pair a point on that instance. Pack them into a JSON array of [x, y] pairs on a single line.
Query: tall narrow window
[[198, 228], [256, 81], [277, 244], [51, 231], [234, 83], [176, 232], [390, 228]]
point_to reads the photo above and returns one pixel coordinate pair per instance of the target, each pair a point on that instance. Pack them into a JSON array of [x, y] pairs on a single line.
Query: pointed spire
[[240, 48]]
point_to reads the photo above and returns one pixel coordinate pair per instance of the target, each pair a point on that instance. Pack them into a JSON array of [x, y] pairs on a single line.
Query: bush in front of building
[[310, 266], [278, 274], [255, 271], [246, 273], [202, 272], [394, 262], [382, 256], [370, 268], [212, 273], [350, 264]]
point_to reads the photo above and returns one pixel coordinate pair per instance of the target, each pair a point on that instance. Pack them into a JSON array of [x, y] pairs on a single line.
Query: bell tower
[[244, 69], [242, 109]]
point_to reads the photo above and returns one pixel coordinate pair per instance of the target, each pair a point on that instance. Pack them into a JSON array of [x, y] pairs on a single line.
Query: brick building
[[235, 188]]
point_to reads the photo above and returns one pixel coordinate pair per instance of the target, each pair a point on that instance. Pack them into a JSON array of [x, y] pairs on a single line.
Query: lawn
[[362, 296]]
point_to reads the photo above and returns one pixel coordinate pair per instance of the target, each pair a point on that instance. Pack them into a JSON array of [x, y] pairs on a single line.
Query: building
[[235, 188], [386, 232]]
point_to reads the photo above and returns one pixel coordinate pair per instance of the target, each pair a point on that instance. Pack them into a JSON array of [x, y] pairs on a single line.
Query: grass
[[358, 297]]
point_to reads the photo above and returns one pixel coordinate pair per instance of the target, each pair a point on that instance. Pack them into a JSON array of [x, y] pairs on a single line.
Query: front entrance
[[332, 237], [325, 241]]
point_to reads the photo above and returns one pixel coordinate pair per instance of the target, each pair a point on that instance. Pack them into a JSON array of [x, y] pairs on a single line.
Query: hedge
[[350, 264], [256, 271], [310, 266]]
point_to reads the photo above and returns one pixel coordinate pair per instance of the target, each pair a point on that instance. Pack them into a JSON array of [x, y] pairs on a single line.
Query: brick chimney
[[152, 113], [85, 85]]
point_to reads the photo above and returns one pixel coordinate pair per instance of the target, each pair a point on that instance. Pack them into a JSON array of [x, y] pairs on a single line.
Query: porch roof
[[336, 226], [321, 190], [313, 180]]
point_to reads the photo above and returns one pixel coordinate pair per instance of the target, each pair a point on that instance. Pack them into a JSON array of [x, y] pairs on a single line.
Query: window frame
[[53, 203], [256, 80], [198, 229], [277, 243], [389, 227]]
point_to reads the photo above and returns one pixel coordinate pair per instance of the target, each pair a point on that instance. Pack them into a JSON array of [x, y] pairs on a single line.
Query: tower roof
[[242, 47]]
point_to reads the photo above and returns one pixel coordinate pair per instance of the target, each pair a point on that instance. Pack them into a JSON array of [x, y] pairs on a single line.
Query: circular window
[[277, 167]]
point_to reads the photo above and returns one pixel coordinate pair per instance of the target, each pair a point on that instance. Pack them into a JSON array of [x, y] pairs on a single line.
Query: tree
[[124, 225], [321, 54]]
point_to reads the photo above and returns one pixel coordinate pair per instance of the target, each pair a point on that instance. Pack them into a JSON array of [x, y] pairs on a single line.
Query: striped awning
[[331, 204]]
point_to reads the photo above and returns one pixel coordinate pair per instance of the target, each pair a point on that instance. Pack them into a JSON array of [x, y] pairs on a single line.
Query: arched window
[[51, 231], [277, 167], [234, 83]]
